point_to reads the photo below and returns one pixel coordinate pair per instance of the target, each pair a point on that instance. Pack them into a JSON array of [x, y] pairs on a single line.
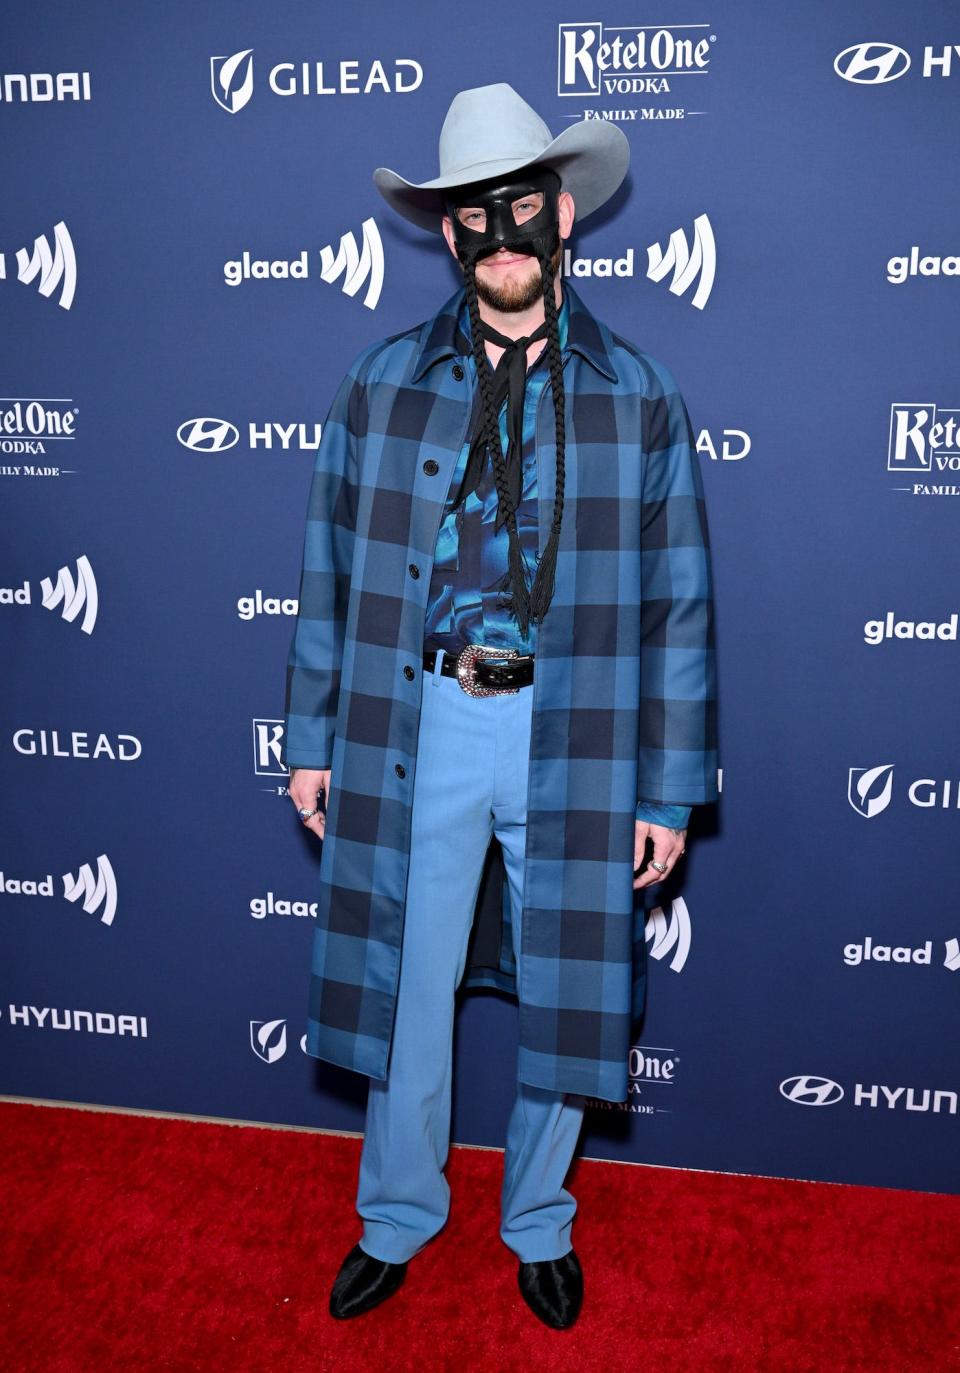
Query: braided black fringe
[[543, 582], [517, 567]]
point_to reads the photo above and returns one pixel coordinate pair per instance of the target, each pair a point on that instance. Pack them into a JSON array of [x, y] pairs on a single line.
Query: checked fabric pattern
[[624, 691]]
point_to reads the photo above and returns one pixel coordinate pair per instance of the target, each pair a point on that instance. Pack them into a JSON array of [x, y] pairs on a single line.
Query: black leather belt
[[483, 670]]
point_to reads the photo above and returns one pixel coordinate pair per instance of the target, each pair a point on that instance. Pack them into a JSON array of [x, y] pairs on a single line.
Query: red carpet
[[144, 1244]]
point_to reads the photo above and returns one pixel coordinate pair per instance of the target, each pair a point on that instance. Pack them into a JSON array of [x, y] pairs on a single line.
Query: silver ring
[[307, 814], [660, 867]]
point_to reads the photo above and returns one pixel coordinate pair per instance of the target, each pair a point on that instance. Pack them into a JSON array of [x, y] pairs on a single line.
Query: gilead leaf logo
[[869, 789], [231, 80], [268, 1039]]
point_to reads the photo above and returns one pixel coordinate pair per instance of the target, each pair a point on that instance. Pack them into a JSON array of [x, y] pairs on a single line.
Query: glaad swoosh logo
[[670, 934], [357, 265], [96, 891], [951, 958], [231, 80], [76, 595], [268, 1039], [208, 435], [686, 263], [806, 1090], [871, 64], [863, 781], [56, 268]]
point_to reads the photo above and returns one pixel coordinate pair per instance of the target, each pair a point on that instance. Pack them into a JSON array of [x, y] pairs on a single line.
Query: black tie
[[509, 378]]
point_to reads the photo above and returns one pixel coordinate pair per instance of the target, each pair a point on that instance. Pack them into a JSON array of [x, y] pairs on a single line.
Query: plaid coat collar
[[441, 336]]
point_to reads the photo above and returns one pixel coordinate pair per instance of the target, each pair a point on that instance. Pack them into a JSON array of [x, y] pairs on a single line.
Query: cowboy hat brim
[[591, 159]]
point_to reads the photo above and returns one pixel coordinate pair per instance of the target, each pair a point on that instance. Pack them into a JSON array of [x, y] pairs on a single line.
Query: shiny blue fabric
[[467, 602]]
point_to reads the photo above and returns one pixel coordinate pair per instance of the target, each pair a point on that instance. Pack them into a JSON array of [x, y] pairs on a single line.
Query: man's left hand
[[668, 845]]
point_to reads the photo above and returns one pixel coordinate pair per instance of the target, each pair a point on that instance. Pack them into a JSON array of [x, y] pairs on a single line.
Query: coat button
[[431, 467], [408, 673], [457, 372], [400, 770], [414, 571]]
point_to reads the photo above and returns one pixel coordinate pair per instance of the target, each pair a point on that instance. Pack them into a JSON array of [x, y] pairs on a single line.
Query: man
[[505, 629]]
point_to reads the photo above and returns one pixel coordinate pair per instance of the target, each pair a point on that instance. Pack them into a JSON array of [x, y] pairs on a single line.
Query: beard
[[512, 297]]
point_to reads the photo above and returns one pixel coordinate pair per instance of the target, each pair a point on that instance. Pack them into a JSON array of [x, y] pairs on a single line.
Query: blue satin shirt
[[467, 603]]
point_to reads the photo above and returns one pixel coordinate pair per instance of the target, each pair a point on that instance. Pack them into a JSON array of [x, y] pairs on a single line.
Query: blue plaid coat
[[624, 702]]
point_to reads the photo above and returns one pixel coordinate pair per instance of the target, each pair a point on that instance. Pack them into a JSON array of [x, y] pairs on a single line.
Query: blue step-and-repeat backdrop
[[191, 252]]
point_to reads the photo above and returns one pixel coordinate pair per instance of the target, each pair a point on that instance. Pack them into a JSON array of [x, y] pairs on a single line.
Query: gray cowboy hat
[[491, 130]]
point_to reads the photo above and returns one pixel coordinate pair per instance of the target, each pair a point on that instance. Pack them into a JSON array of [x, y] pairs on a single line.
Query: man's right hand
[[304, 786]]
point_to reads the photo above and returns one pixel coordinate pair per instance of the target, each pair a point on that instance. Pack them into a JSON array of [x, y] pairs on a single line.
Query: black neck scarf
[[509, 379]]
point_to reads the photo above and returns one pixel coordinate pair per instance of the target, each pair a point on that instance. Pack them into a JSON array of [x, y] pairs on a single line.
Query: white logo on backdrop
[[356, 265], [231, 78], [811, 1091], [75, 595], [262, 906], [664, 933], [597, 266], [647, 1065], [267, 742], [41, 88], [920, 441], [875, 631], [268, 1040], [78, 743], [56, 268], [635, 59], [90, 1022], [875, 64], [28, 424], [31, 421], [854, 955], [96, 891], [734, 445], [869, 791], [652, 1063], [209, 435], [249, 607], [688, 264], [871, 64], [900, 268]]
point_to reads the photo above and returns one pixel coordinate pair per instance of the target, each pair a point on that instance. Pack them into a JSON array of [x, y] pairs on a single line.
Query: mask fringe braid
[[527, 604]]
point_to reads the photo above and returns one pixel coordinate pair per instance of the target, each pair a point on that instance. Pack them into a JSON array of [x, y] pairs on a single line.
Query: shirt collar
[[443, 335], [464, 332]]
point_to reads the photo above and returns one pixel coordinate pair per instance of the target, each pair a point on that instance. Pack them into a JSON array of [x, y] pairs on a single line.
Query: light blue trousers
[[471, 780]]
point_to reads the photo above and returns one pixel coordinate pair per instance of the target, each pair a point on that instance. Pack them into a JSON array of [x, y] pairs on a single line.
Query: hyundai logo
[[811, 1091], [208, 435], [871, 64]]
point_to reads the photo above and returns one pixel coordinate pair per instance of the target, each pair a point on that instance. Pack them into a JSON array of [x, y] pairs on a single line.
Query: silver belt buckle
[[467, 671]]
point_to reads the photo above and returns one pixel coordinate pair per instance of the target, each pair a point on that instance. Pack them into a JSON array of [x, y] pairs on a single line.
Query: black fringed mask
[[535, 235], [508, 223]]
